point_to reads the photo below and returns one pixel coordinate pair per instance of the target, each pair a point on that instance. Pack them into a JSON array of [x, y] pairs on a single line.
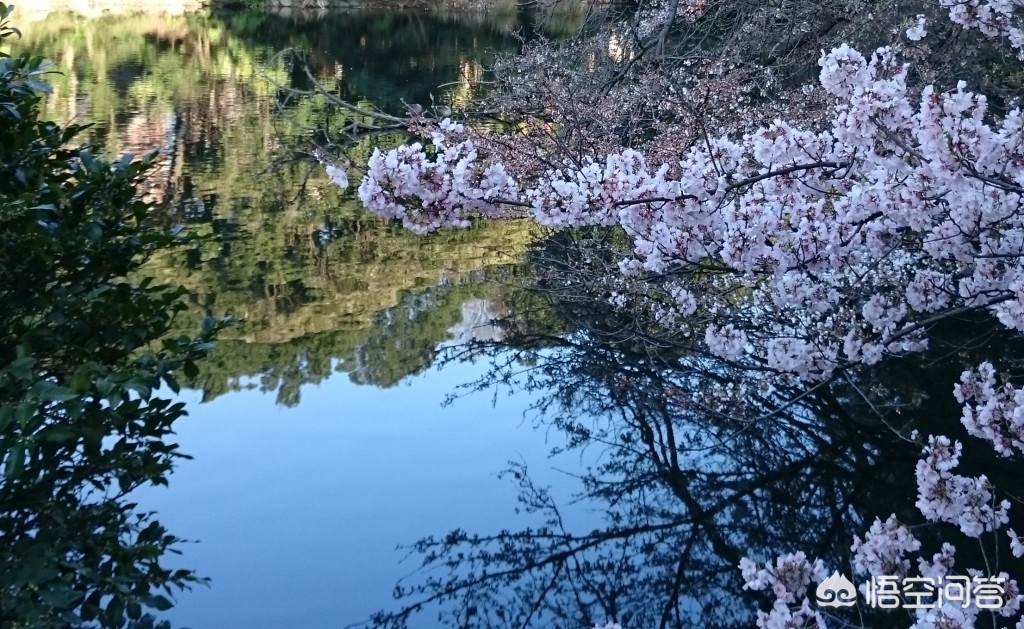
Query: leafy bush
[[81, 357]]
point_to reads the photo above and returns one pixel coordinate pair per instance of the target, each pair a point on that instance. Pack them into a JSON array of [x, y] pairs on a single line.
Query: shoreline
[[35, 10]]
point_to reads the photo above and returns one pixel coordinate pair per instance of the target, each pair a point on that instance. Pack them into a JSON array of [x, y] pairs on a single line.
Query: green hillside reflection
[[318, 284]]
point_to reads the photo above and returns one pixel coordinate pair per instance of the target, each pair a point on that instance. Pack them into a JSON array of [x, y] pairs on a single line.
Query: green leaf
[[58, 433], [6, 417], [15, 463], [158, 602], [105, 387], [209, 324], [50, 392], [21, 368], [35, 572], [134, 610], [39, 86], [81, 381], [62, 598], [142, 388], [24, 413], [115, 611]]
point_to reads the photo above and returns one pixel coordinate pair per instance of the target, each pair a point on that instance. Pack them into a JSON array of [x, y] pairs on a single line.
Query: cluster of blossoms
[[961, 500], [884, 548], [994, 18], [445, 186], [996, 415], [888, 547], [883, 552], [953, 613], [788, 580], [855, 235], [918, 30], [968, 502]]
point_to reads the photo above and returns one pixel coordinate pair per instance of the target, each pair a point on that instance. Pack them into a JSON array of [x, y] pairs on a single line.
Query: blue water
[[298, 511]]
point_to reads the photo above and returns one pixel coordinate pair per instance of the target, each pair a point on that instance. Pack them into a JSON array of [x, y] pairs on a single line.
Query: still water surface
[[319, 438]]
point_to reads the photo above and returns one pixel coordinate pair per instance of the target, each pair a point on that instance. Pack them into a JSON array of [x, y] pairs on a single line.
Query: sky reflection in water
[[299, 510]]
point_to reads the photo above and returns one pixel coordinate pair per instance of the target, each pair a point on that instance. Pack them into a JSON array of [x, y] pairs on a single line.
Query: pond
[[318, 426]]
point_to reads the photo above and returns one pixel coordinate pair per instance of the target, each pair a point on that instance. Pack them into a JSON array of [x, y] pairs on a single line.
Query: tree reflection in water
[[690, 479]]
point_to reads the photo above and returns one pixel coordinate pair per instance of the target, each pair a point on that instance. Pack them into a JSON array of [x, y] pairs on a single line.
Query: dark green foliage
[[81, 355]]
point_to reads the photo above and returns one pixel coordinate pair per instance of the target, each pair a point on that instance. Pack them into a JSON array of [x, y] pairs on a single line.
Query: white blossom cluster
[[944, 496], [918, 31], [884, 551], [884, 548], [788, 581], [445, 186], [991, 413], [994, 18]]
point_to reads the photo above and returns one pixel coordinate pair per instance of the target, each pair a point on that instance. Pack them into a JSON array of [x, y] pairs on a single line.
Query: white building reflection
[[478, 322]]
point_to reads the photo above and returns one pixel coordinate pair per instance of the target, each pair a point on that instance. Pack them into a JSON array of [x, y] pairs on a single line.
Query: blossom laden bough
[[863, 232], [797, 251]]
